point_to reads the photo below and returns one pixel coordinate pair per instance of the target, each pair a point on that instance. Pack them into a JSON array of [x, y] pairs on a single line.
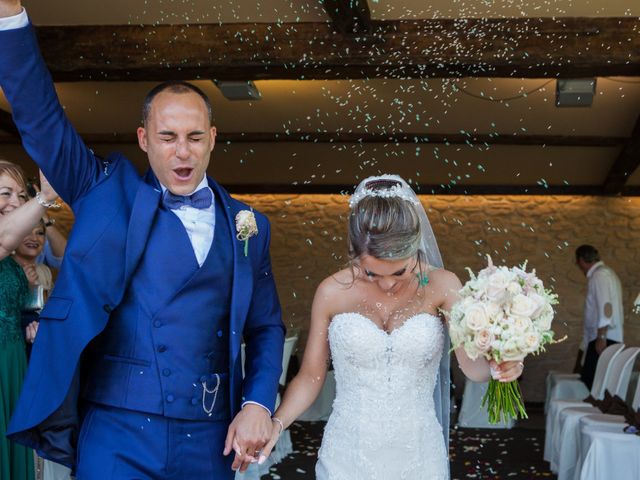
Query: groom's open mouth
[[183, 173]]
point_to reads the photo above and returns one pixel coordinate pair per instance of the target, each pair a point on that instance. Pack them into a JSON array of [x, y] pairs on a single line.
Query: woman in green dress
[[18, 216]]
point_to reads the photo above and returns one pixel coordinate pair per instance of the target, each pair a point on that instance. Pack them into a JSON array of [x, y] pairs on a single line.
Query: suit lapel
[[145, 206], [242, 276]]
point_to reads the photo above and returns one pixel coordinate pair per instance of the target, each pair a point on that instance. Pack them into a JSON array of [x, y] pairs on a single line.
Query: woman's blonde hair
[[14, 171]]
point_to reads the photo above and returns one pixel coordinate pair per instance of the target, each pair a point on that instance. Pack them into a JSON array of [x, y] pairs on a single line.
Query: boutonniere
[[246, 227]]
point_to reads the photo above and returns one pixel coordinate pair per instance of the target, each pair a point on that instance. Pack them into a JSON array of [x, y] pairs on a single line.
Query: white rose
[[540, 302], [493, 311], [543, 322], [476, 317], [522, 306], [510, 351], [530, 341], [521, 324], [483, 340], [497, 286], [514, 288]]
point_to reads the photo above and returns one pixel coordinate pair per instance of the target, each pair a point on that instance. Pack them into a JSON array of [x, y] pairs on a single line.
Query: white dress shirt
[[17, 21], [603, 286], [199, 223]]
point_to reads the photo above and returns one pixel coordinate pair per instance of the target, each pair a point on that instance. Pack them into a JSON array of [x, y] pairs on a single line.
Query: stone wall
[[309, 243]]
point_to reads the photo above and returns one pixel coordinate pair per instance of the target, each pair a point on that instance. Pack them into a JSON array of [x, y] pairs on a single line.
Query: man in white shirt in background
[[603, 311]]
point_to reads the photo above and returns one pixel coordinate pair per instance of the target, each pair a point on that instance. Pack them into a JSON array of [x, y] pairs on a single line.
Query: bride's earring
[[423, 279]]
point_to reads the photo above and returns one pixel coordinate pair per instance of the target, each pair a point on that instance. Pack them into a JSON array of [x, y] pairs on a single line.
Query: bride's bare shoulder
[[337, 283], [444, 279]]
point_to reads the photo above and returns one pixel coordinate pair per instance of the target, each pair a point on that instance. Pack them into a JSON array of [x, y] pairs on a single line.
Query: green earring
[[423, 279]]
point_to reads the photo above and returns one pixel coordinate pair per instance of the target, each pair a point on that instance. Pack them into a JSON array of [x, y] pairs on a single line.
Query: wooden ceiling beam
[[625, 165], [514, 47], [349, 16], [401, 138]]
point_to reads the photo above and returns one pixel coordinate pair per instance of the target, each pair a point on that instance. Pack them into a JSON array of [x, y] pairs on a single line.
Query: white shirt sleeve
[[602, 291], [17, 21], [249, 402]]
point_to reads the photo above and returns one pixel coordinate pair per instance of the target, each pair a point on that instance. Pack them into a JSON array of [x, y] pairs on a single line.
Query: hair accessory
[[396, 189]]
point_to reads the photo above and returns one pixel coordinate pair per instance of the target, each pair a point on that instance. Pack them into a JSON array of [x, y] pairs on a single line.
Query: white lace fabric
[[384, 425]]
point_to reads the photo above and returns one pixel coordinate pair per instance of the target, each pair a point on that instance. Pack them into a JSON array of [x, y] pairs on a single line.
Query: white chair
[[612, 455], [564, 385], [597, 391], [472, 414], [284, 446], [593, 425], [568, 386], [567, 433]]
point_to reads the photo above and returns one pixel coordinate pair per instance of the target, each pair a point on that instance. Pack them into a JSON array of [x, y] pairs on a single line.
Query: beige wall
[[309, 243]]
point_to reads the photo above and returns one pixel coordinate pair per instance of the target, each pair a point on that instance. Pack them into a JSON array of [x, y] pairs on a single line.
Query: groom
[[137, 369]]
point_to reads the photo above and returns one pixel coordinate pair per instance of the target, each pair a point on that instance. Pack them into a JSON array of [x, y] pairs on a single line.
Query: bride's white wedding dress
[[383, 424]]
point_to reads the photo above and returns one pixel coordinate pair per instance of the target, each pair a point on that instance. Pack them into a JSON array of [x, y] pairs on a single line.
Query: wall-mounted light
[[575, 92], [238, 90]]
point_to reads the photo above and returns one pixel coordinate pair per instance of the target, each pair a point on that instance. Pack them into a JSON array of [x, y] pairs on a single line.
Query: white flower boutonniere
[[246, 227]]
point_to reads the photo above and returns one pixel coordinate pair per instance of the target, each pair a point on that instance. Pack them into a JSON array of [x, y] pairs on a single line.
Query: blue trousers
[[117, 444]]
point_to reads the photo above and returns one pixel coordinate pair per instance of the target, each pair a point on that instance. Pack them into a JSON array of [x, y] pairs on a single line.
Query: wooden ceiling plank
[[625, 165], [514, 47], [353, 137], [349, 16]]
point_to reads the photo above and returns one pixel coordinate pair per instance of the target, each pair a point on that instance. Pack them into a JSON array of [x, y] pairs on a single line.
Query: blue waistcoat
[[169, 338]]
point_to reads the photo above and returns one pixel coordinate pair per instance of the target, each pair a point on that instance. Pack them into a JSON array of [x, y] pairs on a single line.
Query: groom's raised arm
[[47, 135]]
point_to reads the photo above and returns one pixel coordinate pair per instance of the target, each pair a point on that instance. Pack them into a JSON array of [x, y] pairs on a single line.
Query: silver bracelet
[[279, 422], [41, 201]]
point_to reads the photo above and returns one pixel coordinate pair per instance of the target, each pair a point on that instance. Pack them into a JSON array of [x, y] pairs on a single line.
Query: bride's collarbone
[[389, 316]]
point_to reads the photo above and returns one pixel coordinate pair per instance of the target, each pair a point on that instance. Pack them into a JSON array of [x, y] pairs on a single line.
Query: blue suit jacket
[[114, 209]]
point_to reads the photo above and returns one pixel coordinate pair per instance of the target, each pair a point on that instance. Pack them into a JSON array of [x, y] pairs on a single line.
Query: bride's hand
[[506, 371], [276, 431]]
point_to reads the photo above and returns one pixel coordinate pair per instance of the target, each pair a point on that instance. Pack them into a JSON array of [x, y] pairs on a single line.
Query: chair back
[[635, 403], [289, 346], [620, 372], [602, 369]]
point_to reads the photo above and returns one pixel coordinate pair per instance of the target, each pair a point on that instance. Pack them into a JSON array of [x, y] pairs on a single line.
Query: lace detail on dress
[[14, 290], [383, 424]]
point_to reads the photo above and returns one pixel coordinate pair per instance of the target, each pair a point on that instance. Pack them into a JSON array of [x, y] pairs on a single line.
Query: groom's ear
[[213, 133], [142, 138]]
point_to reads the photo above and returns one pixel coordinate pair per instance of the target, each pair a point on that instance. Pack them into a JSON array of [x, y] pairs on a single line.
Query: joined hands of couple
[[248, 436]]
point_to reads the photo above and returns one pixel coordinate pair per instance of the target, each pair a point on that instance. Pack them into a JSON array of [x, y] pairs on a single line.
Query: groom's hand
[[247, 436], [9, 8]]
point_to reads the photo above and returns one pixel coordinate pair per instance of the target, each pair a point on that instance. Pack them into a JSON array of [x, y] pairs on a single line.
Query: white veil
[[430, 249]]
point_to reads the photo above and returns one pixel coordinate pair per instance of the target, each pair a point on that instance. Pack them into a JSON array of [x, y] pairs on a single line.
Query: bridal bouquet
[[503, 314]]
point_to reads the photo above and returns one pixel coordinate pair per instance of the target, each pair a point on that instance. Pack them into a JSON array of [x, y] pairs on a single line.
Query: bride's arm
[[306, 385], [478, 370]]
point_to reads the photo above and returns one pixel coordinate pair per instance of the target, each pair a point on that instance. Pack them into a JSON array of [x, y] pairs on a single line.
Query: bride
[[381, 322]]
